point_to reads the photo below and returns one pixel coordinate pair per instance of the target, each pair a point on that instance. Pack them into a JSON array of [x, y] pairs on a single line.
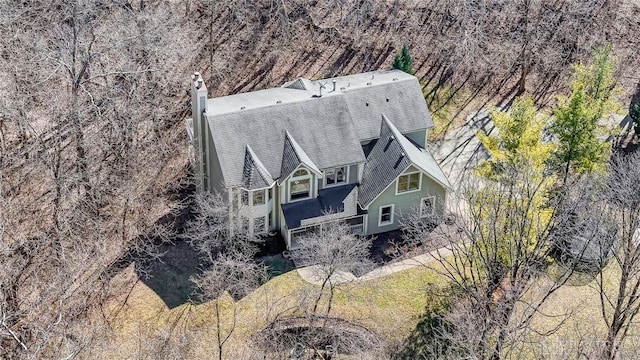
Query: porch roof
[[329, 200]]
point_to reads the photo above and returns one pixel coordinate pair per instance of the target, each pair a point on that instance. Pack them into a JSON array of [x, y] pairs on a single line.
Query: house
[[351, 147]]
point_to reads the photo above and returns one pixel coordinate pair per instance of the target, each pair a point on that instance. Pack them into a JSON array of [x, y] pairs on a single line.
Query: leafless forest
[[93, 94]]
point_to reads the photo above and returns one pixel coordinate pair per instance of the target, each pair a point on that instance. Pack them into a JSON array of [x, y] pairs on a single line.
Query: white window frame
[[433, 206], [346, 176], [300, 178], [409, 191], [253, 197], [386, 223]]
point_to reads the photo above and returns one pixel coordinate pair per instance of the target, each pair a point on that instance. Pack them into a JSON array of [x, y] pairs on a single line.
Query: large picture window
[[385, 217], [300, 185], [335, 176], [408, 182]]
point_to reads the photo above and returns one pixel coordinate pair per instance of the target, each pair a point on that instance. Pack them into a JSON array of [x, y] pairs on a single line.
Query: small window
[[258, 225], [270, 220], [427, 206], [409, 182], [270, 191], [258, 197], [386, 215], [335, 176]]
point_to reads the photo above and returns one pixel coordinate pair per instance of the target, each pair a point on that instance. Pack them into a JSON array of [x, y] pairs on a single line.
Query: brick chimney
[[200, 131]]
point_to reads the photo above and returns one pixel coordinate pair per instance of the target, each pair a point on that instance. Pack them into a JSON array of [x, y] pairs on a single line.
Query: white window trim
[[409, 191], [252, 193], [393, 208], [346, 176], [298, 178], [433, 206]]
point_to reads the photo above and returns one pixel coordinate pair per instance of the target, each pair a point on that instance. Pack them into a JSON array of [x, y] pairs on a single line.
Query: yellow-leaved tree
[[518, 162]]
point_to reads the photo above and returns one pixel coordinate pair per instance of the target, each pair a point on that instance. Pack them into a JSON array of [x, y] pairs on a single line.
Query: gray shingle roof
[[384, 163], [321, 127], [328, 129], [254, 174], [392, 154], [329, 200], [402, 100]]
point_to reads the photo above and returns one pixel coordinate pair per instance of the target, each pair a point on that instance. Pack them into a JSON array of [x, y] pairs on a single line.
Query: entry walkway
[[313, 274]]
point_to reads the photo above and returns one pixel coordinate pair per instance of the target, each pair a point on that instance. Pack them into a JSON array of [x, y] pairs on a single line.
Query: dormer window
[[300, 185], [335, 176]]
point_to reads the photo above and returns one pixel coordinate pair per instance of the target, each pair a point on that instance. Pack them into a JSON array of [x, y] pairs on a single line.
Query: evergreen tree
[[403, 61], [576, 125]]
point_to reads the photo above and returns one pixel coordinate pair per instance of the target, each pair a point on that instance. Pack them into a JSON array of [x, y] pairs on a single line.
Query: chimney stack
[[200, 130], [334, 85]]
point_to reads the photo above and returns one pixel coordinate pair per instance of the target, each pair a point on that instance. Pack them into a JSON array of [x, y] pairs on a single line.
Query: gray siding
[[215, 179], [353, 174], [404, 203], [419, 137]]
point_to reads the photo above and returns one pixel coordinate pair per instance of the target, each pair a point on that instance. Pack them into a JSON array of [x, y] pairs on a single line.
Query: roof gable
[[385, 162], [292, 157], [391, 156], [421, 158], [254, 174]]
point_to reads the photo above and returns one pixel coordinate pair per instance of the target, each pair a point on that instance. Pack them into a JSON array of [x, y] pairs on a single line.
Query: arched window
[[300, 173], [300, 185]]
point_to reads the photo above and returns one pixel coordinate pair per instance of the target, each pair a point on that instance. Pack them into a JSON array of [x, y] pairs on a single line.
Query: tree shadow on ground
[[430, 338], [170, 275]]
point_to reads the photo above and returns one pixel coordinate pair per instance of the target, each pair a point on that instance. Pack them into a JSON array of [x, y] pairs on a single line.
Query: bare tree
[[501, 245], [83, 180], [333, 250], [618, 214], [228, 253]]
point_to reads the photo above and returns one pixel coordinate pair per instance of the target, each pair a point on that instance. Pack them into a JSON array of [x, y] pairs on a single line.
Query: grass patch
[[390, 306]]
